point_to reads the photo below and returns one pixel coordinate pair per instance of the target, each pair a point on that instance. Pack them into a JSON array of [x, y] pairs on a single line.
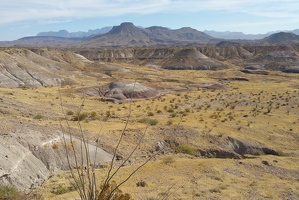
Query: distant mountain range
[[129, 35], [79, 34], [228, 35]]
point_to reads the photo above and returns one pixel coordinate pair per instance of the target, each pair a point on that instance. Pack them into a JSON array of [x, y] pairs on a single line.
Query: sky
[[21, 18]]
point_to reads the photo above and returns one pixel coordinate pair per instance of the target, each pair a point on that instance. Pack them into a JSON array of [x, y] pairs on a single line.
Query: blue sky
[[19, 18]]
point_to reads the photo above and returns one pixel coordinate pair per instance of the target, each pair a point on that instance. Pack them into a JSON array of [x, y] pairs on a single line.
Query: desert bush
[[38, 116], [80, 116], [93, 115], [63, 189], [159, 111], [149, 121], [141, 184], [150, 114], [153, 122], [9, 192], [258, 153], [170, 110], [168, 160], [69, 112], [173, 114], [186, 149]]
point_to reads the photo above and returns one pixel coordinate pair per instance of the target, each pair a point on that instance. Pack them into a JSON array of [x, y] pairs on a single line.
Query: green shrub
[[150, 114], [168, 160], [149, 121], [186, 149], [93, 115], [9, 192], [170, 110], [258, 153], [173, 114], [38, 116], [80, 116], [152, 122], [63, 189], [69, 112]]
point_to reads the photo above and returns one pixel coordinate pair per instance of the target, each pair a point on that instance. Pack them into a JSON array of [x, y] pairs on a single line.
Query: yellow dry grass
[[264, 110]]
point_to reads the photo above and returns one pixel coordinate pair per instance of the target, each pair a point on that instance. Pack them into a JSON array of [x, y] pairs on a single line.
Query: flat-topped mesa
[[124, 27]]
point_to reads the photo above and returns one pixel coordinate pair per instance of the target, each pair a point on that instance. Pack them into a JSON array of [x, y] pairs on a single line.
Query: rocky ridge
[[30, 154]]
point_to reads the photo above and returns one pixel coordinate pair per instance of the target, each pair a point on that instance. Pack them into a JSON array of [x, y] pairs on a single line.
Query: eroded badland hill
[[223, 121]]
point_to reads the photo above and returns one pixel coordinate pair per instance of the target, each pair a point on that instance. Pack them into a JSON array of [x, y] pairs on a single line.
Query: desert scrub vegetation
[[186, 149], [80, 116], [8, 192], [83, 171], [149, 121], [168, 160], [69, 112], [38, 116], [61, 189]]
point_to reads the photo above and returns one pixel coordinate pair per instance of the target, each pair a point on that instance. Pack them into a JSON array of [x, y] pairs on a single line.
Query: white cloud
[[268, 8], [22, 10], [17, 10]]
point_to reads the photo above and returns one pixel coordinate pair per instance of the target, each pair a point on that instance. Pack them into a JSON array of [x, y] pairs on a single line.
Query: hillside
[[36, 67], [212, 57], [221, 133], [281, 38]]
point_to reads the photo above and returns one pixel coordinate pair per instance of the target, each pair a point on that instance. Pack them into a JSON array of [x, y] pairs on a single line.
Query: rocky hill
[[127, 34], [212, 57], [36, 67], [192, 59], [281, 38], [30, 154]]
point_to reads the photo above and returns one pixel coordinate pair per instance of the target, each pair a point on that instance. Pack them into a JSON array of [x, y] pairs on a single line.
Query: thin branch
[[120, 139], [75, 157]]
